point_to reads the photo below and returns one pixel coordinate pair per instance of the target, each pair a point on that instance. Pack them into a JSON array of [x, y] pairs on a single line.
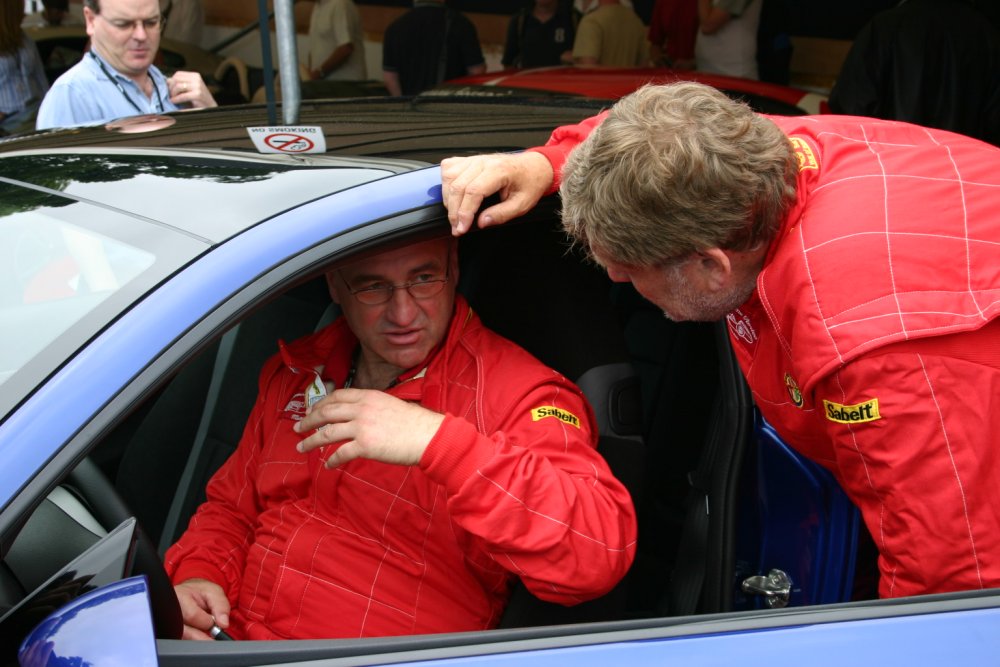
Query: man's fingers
[[326, 435], [335, 407], [463, 198], [466, 182], [346, 452], [520, 179], [512, 207]]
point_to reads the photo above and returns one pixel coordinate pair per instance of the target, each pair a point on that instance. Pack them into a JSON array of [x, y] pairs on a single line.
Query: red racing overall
[[511, 484], [871, 343]]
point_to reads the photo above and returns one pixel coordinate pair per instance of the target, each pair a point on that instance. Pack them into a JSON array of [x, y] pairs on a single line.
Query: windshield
[[68, 268], [57, 273], [86, 235]]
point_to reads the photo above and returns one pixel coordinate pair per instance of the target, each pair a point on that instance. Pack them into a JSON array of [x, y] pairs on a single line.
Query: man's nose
[[402, 307]]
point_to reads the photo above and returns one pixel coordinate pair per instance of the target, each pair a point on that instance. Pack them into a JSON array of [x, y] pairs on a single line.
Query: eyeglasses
[[154, 24], [424, 287]]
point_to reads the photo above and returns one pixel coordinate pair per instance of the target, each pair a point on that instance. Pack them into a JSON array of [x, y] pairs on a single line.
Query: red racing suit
[[511, 484], [872, 343]]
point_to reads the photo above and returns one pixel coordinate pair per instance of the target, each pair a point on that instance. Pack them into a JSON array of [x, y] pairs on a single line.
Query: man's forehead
[[128, 8], [419, 255]]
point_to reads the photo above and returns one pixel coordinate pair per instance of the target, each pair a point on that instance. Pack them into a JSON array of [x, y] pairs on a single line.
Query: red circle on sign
[[289, 143]]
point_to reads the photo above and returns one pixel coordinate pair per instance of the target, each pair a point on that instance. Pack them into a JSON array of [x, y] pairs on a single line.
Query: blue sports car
[[150, 266]]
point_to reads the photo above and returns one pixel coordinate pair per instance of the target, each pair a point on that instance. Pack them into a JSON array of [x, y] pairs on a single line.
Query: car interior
[[674, 415]]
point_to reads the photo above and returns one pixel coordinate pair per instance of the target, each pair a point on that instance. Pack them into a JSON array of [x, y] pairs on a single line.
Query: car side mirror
[[112, 625]]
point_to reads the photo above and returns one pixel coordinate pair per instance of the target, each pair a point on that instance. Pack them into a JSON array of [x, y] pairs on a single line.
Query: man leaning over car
[[855, 262]]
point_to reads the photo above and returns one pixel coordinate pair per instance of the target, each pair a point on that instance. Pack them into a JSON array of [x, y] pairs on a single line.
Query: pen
[[219, 634]]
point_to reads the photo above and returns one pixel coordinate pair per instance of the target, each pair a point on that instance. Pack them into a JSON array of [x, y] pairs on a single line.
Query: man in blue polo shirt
[[117, 77]]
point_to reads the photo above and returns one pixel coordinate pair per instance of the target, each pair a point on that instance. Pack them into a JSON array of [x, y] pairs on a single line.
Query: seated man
[[446, 462]]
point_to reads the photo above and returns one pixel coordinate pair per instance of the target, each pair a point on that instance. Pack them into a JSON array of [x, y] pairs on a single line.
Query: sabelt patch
[[852, 414], [544, 411]]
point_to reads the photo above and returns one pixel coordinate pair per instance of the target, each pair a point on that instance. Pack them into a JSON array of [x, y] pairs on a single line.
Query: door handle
[[775, 587]]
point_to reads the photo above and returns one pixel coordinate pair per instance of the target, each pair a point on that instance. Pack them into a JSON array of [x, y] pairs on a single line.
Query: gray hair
[[675, 169]]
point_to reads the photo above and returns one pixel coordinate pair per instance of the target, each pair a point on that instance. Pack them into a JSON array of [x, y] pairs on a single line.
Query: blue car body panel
[[107, 626], [963, 638], [802, 523]]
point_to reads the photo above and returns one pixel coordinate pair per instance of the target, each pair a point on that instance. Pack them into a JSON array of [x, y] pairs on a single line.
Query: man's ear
[[89, 17], [331, 286], [715, 268]]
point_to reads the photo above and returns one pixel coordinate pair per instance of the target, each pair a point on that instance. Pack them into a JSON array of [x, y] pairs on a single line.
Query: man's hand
[[203, 603], [369, 424], [521, 179], [190, 88]]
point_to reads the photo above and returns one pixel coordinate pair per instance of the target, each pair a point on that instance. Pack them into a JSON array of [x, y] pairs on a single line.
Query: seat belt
[[222, 358], [688, 577], [727, 430]]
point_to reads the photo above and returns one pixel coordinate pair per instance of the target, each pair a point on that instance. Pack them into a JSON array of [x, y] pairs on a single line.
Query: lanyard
[[118, 85]]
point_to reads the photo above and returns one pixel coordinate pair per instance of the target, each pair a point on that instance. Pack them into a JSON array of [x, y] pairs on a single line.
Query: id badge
[[317, 390]]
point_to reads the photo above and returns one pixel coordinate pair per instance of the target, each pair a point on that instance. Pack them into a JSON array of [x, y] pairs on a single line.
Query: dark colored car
[[149, 267]]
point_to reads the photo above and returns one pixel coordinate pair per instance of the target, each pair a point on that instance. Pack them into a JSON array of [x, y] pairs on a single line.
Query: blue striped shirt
[[22, 78]]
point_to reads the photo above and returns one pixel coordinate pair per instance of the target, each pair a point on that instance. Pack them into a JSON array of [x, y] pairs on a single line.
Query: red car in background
[[613, 83]]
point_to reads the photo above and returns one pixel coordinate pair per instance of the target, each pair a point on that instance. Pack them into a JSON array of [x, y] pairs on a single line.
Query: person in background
[[540, 35], [931, 62], [429, 44], [447, 463], [774, 41], [854, 261], [336, 42], [727, 37], [117, 77], [612, 35], [672, 33], [22, 74], [184, 21], [53, 13]]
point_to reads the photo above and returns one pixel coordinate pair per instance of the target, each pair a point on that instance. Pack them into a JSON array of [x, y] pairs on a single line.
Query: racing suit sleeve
[[914, 444], [562, 141], [537, 496], [215, 544]]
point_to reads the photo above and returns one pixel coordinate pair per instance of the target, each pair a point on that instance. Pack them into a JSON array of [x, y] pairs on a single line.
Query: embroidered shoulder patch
[[804, 154], [852, 414], [793, 390], [544, 411]]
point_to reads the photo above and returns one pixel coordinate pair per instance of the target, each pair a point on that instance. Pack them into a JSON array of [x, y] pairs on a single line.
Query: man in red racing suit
[[509, 485], [869, 337]]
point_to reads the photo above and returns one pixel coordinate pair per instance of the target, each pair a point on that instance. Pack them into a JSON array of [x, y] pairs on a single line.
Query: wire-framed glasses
[[423, 286]]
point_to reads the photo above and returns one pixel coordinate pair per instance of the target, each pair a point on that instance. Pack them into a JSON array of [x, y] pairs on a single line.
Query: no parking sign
[[288, 139]]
